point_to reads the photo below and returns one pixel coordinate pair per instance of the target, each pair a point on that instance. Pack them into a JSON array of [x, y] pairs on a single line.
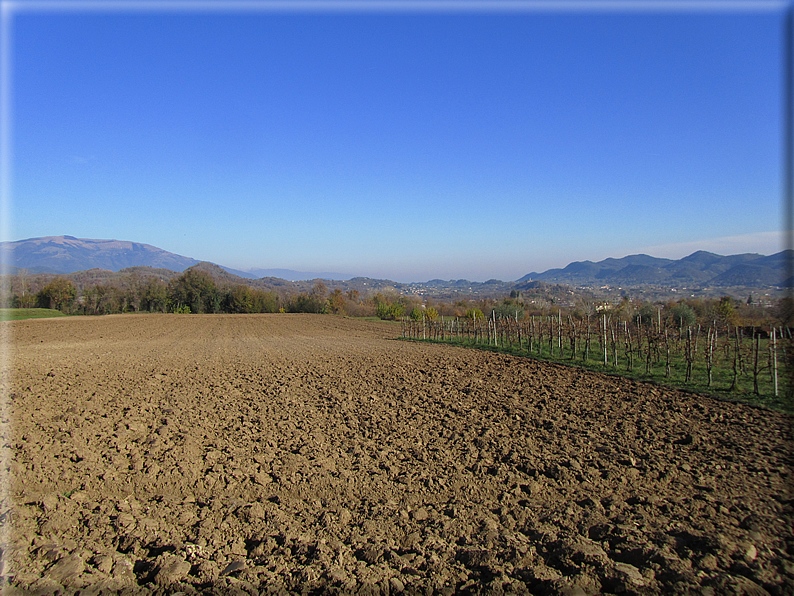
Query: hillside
[[696, 270], [67, 254]]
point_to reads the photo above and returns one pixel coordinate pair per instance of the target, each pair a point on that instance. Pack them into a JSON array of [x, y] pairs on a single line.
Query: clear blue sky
[[405, 145]]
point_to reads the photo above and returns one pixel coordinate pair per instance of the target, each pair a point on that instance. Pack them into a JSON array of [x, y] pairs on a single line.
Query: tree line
[[196, 291]]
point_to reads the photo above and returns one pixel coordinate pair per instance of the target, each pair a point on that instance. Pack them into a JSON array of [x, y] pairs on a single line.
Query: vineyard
[[749, 364]]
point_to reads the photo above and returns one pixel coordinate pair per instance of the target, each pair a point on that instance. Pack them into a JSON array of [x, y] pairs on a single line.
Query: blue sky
[[401, 144]]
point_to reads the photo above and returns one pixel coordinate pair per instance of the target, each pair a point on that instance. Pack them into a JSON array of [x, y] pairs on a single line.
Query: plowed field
[[251, 453]]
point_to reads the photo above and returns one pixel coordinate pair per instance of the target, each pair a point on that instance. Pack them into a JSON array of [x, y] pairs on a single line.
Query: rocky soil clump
[[247, 454]]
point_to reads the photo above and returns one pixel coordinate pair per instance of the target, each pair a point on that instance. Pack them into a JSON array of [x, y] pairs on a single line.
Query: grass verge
[[372, 319], [17, 314]]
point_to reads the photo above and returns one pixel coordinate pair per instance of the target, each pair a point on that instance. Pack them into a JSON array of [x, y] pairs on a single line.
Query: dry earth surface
[[312, 454]]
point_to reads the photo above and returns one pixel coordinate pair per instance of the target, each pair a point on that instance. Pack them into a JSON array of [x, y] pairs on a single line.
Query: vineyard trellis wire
[[715, 357]]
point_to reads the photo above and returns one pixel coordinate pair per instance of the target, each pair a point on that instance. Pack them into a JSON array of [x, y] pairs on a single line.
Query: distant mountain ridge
[[292, 275], [67, 254], [701, 268]]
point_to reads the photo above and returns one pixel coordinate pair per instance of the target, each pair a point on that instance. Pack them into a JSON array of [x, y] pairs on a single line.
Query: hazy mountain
[[750, 274], [66, 254], [292, 275], [701, 268]]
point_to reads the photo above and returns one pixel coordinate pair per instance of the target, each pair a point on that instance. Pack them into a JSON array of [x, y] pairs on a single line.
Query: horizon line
[[5, 265]]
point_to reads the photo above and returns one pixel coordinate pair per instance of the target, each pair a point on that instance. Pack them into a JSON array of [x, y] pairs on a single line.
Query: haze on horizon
[[407, 145]]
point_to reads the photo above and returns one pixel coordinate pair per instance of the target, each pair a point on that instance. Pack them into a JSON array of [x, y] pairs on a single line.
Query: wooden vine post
[[614, 346], [518, 330], [736, 357], [774, 358], [710, 357], [604, 338], [559, 331], [627, 333], [756, 348], [493, 316]]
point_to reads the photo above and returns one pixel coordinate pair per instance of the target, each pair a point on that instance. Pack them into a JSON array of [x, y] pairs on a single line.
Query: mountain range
[[701, 268], [67, 254]]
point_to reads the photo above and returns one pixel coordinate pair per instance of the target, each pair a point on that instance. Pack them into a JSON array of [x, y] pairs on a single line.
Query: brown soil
[[245, 453]]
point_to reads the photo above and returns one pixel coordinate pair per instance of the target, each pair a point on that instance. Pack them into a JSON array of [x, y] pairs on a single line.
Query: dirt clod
[[224, 454]]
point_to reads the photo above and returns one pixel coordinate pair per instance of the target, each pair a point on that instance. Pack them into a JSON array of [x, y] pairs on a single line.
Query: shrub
[[311, 303], [390, 312], [507, 310], [683, 315], [475, 314], [336, 302], [645, 315]]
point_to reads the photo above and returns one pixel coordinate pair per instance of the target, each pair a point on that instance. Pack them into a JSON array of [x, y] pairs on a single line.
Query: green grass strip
[[17, 314]]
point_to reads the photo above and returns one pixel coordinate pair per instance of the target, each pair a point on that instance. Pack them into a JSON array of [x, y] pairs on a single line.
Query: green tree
[[133, 294], [195, 289], [336, 302], [103, 299], [622, 311], [92, 297], [58, 294], [475, 314], [240, 299], [508, 310], [264, 301], [154, 295], [784, 311], [309, 303], [645, 315], [683, 315], [389, 307], [313, 302], [389, 311], [726, 310]]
